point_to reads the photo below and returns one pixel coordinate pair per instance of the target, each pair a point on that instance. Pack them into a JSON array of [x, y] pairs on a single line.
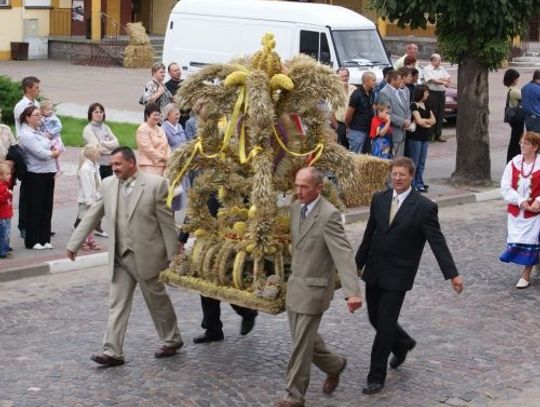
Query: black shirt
[[173, 86], [363, 103], [421, 133]]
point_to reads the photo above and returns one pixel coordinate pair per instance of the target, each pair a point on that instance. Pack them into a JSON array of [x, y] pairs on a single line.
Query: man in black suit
[[400, 222]]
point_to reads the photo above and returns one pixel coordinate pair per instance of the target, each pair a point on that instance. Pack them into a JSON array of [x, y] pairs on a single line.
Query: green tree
[[475, 34], [10, 94]]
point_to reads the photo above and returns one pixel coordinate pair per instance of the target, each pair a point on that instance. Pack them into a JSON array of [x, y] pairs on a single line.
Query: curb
[[54, 266], [101, 259], [362, 214]]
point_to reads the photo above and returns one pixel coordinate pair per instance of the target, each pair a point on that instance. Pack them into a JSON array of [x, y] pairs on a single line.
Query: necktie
[[303, 212], [127, 187], [393, 209]]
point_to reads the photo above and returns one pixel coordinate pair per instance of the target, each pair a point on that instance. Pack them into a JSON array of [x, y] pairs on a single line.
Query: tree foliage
[[465, 28], [10, 94]]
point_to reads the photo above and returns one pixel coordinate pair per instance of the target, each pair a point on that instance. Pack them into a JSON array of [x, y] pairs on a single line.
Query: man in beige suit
[[320, 248], [143, 240]]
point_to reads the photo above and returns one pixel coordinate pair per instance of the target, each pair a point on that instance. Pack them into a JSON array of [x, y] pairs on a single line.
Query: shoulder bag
[[513, 115]]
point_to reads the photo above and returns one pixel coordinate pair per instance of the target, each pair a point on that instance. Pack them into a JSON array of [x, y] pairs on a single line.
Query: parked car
[[450, 105]]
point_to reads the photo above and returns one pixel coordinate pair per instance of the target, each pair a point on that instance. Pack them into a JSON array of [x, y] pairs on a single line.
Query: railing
[[109, 50], [111, 27]]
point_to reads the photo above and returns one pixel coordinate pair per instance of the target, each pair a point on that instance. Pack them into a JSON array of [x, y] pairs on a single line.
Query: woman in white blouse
[[39, 156]]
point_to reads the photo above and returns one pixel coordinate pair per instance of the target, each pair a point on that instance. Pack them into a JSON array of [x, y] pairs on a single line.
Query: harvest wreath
[[261, 122]]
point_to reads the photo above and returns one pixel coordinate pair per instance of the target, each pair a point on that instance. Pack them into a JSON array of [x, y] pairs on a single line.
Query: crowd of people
[[33, 155], [393, 120]]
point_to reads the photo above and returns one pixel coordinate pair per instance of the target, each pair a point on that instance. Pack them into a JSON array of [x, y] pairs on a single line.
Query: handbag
[[513, 115]]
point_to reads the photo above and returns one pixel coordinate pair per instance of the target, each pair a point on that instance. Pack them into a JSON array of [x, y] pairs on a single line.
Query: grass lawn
[[72, 131]]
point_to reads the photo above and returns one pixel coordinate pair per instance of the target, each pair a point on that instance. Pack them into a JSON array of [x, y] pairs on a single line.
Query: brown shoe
[[332, 382], [287, 403], [107, 360], [167, 351]]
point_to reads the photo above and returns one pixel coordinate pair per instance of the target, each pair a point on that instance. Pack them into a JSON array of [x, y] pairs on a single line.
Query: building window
[[37, 3], [4, 3]]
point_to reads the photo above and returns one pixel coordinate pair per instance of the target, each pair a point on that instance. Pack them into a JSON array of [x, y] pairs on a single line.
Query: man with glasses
[[400, 222]]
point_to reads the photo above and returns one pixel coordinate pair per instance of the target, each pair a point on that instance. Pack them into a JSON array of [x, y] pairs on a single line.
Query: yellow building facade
[[93, 19], [19, 19]]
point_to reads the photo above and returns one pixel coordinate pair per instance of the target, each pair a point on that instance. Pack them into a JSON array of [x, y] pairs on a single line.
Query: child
[[51, 127], [6, 209], [89, 184], [381, 133]]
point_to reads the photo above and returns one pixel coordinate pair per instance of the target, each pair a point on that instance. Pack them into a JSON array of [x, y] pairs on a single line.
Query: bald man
[[320, 248]]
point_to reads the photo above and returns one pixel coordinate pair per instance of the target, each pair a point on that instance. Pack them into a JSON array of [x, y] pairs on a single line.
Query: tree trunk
[[473, 162]]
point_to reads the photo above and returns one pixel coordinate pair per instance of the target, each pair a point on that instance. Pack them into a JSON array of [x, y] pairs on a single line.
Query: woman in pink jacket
[[154, 150]]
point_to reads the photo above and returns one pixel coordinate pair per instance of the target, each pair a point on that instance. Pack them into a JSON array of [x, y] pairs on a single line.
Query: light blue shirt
[[37, 151], [310, 206], [191, 127], [530, 98]]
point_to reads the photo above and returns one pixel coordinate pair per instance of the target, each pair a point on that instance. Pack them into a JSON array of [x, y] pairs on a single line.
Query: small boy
[[51, 127], [381, 132], [6, 208]]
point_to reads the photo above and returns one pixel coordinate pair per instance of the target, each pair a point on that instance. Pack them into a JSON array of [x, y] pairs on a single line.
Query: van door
[[315, 44]]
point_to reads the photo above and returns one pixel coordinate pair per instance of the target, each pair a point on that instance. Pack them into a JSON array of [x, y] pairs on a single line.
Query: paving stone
[[468, 346]]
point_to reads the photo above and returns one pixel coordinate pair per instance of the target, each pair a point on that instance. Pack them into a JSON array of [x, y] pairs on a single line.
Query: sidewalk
[[119, 89]]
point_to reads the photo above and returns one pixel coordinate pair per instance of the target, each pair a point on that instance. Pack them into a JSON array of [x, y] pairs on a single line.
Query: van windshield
[[359, 48]]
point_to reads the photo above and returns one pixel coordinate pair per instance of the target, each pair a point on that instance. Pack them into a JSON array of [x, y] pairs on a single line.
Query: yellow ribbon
[[318, 149], [198, 148], [242, 138]]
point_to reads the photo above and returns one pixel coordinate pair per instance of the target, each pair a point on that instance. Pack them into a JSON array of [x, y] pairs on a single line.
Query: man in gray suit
[[400, 111], [143, 240], [319, 249]]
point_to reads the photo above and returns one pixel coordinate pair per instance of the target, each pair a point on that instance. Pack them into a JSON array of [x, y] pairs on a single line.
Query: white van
[[202, 32]]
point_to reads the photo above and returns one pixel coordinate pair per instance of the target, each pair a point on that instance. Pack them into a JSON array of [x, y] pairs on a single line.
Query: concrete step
[[530, 58], [524, 64], [157, 44], [527, 58]]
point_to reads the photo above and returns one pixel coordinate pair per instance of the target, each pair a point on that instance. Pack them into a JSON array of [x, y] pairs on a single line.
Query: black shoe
[[372, 388], [247, 325], [53, 233], [107, 360], [398, 358], [10, 249], [206, 337]]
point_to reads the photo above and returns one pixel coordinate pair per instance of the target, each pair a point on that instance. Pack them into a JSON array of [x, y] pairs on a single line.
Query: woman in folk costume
[[520, 187]]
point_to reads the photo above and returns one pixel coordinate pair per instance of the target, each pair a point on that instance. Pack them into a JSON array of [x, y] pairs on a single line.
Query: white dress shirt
[[401, 197]]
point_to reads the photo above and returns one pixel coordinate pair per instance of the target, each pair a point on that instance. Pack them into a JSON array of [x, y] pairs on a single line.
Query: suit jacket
[[400, 110], [319, 248], [151, 223], [391, 253]]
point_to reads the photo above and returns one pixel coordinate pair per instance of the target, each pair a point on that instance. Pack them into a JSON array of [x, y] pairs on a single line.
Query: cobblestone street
[[477, 349]]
